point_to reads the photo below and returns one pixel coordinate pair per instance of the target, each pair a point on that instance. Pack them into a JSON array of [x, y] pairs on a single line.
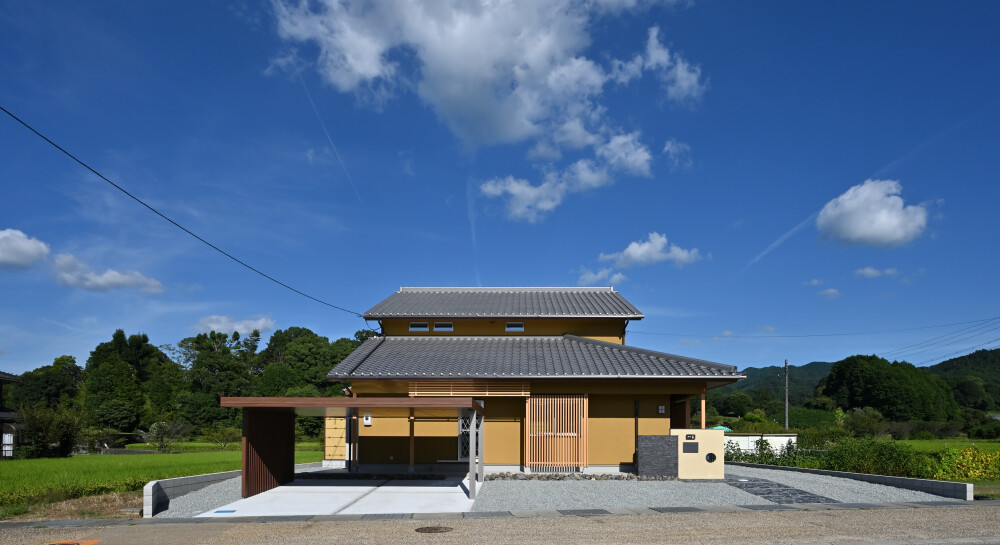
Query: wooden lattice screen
[[556, 434], [468, 388]]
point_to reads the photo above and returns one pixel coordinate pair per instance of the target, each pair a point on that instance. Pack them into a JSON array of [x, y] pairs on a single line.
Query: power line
[[932, 341], [955, 338], [815, 334], [963, 351], [174, 223]]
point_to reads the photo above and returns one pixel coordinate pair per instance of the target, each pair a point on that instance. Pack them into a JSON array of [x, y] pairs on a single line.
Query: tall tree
[[50, 385]]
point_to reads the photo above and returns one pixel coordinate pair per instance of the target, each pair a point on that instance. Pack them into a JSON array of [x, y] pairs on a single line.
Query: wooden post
[[703, 417], [413, 447], [527, 434]]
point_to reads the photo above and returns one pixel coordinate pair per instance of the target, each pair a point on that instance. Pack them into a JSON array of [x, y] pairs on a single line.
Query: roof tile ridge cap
[[381, 339], [653, 353]]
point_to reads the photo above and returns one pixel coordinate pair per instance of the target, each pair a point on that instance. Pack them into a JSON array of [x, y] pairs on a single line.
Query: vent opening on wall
[[515, 326], [444, 326], [419, 326]]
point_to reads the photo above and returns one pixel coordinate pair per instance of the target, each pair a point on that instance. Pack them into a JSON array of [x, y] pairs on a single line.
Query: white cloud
[[813, 282], [604, 276], [689, 342], [228, 324], [653, 250], [679, 154], [872, 213], [18, 250], [830, 293], [494, 72], [624, 152], [872, 272], [766, 329], [73, 273]]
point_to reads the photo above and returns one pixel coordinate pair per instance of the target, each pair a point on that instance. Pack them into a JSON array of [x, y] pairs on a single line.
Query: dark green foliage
[[801, 418], [737, 404], [50, 385], [48, 432], [821, 438], [989, 430], [876, 457], [975, 378], [898, 390], [865, 422]]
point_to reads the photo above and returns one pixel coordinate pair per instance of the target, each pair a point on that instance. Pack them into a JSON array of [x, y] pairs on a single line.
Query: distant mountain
[[802, 381], [984, 364]]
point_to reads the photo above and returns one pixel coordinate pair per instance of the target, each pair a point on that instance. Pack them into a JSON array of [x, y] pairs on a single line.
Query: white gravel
[[835, 488], [508, 495], [205, 499]]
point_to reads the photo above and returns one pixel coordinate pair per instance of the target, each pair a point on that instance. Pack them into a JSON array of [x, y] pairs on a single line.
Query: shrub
[[990, 430], [967, 464], [821, 438], [48, 433], [875, 457]]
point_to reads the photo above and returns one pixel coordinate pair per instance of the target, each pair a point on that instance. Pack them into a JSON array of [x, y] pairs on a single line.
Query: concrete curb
[[707, 509], [156, 495], [947, 489]]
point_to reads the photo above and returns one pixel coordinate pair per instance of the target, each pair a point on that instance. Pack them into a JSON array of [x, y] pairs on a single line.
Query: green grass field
[[937, 445], [201, 446], [27, 482]]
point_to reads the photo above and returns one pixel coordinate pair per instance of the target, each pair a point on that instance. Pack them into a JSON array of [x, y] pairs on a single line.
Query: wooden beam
[[353, 402], [413, 446]]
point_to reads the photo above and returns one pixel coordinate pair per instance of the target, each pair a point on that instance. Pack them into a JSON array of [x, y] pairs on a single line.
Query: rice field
[[26, 482]]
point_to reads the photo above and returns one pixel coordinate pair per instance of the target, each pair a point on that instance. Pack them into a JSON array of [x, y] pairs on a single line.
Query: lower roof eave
[[722, 379]]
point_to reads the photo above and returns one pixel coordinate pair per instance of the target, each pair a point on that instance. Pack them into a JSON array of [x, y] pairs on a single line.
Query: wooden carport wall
[[268, 445]]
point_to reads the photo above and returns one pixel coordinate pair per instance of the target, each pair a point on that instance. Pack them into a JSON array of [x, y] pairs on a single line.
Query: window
[[419, 326], [443, 326], [515, 326]]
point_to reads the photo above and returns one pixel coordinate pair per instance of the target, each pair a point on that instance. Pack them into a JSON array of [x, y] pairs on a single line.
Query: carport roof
[[494, 357], [343, 406]]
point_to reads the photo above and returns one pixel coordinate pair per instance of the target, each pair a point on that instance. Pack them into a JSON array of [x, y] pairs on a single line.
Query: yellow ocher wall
[[336, 439], [608, 330]]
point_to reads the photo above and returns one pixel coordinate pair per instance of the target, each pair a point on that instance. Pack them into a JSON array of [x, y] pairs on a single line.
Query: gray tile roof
[[7, 377], [504, 303], [567, 356]]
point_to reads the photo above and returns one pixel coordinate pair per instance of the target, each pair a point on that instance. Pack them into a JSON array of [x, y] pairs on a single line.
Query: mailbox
[[700, 454]]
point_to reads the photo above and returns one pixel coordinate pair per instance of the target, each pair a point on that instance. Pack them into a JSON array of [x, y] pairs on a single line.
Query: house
[[8, 419], [533, 379]]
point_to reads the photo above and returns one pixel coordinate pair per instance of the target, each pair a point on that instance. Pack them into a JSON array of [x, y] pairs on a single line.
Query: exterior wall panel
[[268, 449], [600, 329]]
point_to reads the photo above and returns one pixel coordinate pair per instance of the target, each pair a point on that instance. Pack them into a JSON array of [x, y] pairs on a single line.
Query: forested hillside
[[974, 378], [802, 380]]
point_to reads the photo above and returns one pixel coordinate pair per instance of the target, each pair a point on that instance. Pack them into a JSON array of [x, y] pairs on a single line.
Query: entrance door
[[557, 433], [7, 449]]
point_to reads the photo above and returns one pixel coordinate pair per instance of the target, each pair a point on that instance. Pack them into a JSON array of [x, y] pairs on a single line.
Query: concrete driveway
[[349, 497]]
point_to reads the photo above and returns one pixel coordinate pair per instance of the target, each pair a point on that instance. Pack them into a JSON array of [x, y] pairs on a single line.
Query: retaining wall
[[156, 495], [948, 489]]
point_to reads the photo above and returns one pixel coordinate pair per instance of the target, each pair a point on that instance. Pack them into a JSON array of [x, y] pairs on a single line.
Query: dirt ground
[[105, 506]]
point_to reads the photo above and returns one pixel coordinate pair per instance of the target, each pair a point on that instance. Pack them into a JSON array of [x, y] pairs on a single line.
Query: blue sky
[[742, 172]]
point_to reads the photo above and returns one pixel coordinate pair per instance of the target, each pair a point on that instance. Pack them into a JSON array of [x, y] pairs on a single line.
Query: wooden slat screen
[[468, 388], [556, 433]]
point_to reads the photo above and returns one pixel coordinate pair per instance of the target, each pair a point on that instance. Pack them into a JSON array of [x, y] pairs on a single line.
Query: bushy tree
[[898, 390], [49, 432], [49, 385]]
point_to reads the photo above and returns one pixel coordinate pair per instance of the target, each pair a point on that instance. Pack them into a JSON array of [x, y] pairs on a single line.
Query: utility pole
[[786, 394]]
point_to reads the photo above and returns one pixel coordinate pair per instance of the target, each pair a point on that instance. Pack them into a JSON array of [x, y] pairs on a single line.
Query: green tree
[[737, 404], [49, 385], [49, 432]]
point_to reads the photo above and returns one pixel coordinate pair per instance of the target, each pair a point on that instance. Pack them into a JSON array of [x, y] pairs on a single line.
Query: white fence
[[747, 442]]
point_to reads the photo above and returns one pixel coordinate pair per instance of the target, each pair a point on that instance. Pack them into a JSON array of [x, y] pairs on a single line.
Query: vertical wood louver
[[556, 433]]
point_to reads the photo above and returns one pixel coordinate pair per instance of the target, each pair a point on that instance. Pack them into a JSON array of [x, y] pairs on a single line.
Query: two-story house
[[533, 379]]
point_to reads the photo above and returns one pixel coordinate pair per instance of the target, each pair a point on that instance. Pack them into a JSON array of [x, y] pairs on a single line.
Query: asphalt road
[[974, 522]]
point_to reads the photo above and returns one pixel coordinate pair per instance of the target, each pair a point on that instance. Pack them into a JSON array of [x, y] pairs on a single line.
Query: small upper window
[[443, 326], [419, 326], [515, 326]]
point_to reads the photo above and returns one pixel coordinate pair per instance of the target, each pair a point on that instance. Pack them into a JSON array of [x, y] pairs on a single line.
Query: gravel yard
[[586, 494]]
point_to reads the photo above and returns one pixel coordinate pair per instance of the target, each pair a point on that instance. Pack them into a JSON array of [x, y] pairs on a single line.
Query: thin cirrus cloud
[[830, 293], [73, 273], [678, 153], [229, 324], [873, 214], [498, 72], [19, 251]]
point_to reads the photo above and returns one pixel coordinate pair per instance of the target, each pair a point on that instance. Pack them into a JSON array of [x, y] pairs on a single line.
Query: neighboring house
[[8, 419], [540, 378]]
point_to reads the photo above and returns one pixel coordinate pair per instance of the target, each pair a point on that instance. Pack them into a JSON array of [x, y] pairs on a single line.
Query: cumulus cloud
[[872, 272], [874, 214], [228, 324], [652, 250], [494, 72], [813, 282], [604, 276], [73, 273], [678, 153], [830, 293], [18, 250]]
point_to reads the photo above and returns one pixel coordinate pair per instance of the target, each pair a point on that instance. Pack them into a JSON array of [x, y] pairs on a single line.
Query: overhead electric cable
[[938, 339], [953, 338], [814, 334], [963, 351], [174, 223]]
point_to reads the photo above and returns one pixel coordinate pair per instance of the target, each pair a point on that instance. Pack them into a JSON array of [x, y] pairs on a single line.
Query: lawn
[[27, 482], [937, 445], [201, 446]]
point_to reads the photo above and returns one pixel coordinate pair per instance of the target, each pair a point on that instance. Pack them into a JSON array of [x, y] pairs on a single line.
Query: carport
[[268, 444]]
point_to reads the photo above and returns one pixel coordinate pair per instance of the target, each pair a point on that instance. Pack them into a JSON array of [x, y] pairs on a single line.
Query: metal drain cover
[[434, 529]]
